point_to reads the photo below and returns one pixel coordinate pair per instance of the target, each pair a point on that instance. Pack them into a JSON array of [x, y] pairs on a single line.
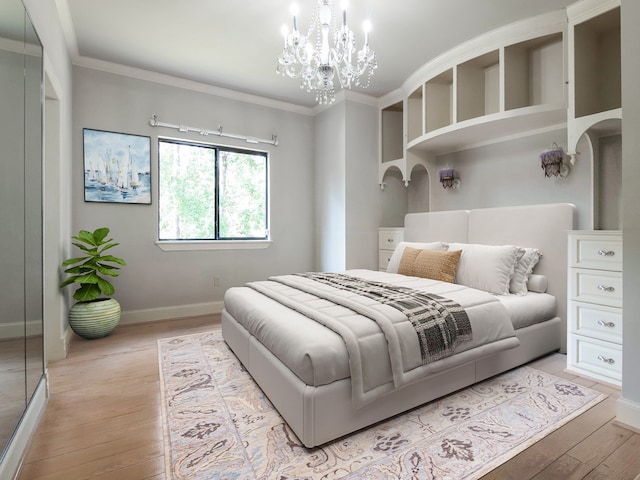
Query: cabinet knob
[[602, 323], [390, 240], [606, 253], [609, 361], [604, 288]]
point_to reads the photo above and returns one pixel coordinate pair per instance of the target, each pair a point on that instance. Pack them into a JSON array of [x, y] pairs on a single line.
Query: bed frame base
[[318, 415]]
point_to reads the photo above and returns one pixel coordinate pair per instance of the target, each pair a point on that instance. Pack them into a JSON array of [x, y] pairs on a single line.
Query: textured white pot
[[94, 319]]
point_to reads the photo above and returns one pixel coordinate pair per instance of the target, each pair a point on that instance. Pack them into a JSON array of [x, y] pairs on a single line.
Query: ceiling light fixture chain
[[333, 56]]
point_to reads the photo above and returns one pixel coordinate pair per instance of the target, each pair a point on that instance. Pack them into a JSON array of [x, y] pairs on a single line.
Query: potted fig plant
[[95, 314]]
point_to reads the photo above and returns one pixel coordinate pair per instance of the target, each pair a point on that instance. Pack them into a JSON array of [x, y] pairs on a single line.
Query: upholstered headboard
[[541, 226]]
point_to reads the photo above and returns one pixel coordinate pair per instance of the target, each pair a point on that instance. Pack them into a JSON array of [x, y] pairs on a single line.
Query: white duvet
[[382, 346]]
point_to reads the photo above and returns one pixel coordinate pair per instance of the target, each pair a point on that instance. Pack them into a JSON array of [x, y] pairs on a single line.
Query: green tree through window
[[209, 192]]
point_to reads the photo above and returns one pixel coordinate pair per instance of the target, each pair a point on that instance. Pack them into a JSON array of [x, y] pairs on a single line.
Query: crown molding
[[170, 80]]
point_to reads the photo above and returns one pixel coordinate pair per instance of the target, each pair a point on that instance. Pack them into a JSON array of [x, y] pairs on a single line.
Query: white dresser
[[388, 239], [594, 307]]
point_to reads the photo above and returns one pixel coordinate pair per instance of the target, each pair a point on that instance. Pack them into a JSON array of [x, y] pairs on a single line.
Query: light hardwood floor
[[104, 419]]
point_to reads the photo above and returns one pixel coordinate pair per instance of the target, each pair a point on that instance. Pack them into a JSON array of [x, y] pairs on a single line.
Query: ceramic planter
[[94, 319]]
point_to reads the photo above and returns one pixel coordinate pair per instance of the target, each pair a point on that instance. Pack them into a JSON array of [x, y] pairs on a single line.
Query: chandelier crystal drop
[[326, 53]]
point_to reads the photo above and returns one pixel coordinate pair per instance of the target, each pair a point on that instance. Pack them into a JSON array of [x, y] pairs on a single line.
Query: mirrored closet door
[[21, 322]]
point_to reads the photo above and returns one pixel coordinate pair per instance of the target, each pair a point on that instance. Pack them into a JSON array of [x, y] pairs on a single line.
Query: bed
[[333, 360]]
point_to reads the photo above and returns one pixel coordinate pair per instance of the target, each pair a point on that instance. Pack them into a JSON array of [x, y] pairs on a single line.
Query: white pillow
[[394, 263], [523, 270], [537, 283], [486, 267]]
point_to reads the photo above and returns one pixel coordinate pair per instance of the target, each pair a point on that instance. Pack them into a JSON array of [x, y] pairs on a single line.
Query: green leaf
[[111, 258], [90, 250], [79, 270], [106, 287], [89, 278], [87, 293], [106, 270], [68, 281], [71, 261], [111, 245], [99, 235], [86, 237]]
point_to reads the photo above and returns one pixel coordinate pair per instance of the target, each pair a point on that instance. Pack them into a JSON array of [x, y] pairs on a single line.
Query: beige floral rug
[[219, 425]]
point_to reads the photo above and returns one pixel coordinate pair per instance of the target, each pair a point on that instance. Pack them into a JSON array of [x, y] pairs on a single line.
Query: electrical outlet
[[216, 281]]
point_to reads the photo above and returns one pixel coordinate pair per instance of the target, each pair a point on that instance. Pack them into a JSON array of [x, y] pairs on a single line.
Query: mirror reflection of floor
[[14, 380]]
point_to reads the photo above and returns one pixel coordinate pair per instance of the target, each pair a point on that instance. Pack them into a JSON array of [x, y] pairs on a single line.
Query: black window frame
[[217, 149]]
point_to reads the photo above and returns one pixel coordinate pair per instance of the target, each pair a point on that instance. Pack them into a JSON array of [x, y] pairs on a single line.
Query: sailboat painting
[[117, 167]]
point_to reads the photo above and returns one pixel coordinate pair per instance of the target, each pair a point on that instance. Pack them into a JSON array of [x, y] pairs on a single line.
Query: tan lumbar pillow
[[430, 264]]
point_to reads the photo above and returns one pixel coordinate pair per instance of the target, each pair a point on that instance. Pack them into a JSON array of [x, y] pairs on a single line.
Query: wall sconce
[[552, 162], [449, 178]]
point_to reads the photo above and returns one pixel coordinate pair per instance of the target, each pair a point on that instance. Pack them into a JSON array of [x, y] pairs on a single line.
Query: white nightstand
[[388, 239], [594, 307]]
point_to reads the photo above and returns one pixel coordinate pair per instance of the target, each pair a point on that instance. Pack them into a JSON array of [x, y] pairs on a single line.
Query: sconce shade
[[448, 178], [552, 163]]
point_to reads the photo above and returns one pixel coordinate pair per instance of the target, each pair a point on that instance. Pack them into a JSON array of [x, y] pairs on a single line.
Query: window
[[209, 192]]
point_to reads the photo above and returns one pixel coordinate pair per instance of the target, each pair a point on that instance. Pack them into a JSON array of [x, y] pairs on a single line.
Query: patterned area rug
[[219, 425]]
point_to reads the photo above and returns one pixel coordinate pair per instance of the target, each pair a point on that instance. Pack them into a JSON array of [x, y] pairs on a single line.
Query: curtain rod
[[154, 122]]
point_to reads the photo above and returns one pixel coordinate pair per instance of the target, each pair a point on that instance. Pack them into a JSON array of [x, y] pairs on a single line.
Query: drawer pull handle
[[606, 253], [604, 288], [390, 240], [609, 361], [602, 323]]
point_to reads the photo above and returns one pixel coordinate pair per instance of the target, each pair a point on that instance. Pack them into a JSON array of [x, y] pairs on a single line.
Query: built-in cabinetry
[[506, 83], [594, 124], [594, 307], [594, 115], [391, 140], [595, 96], [388, 240]]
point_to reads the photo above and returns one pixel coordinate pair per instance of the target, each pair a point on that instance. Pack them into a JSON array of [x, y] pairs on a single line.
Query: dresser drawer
[[593, 286], [603, 252], [384, 256], [600, 358], [389, 238], [595, 321]]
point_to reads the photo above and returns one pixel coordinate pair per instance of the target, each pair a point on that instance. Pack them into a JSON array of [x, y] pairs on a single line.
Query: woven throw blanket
[[440, 323], [381, 342]]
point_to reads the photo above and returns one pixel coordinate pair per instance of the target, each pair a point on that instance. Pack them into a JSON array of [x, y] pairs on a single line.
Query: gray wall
[[330, 195], [396, 199], [364, 198], [509, 173], [348, 198], [155, 278]]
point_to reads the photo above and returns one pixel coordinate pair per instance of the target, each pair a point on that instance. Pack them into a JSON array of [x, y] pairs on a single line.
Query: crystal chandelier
[[327, 51]]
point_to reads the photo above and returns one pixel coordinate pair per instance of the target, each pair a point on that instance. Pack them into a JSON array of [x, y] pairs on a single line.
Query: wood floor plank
[[151, 469], [565, 468], [96, 434], [542, 454], [623, 464], [599, 445]]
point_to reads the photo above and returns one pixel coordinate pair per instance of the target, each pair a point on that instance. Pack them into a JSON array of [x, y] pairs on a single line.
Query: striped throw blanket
[[440, 323]]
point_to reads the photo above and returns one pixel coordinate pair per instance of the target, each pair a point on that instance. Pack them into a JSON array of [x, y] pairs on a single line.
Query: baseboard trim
[[628, 414], [166, 313], [17, 329], [14, 456]]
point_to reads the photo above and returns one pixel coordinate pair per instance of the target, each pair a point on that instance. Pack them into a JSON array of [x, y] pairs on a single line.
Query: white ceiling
[[234, 43]]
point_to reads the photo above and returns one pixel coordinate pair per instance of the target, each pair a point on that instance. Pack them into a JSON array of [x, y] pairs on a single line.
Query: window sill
[[171, 246]]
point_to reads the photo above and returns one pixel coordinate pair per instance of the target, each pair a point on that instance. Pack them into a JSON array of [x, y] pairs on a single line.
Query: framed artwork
[[117, 167]]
